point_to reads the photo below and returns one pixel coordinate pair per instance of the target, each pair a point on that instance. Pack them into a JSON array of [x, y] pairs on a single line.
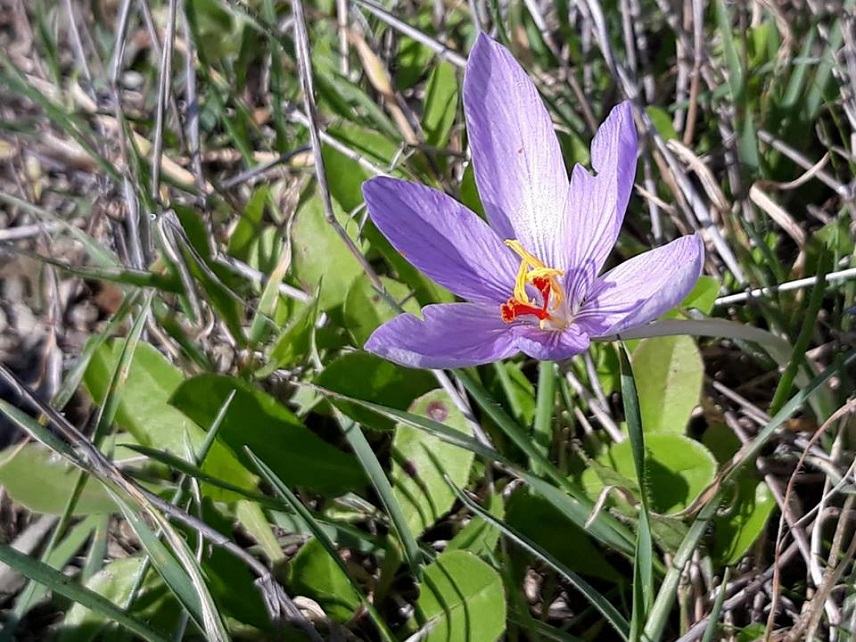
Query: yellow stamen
[[520, 284], [531, 267], [524, 254]]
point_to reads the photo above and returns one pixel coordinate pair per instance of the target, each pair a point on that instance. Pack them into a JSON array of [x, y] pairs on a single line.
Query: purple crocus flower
[[529, 275]]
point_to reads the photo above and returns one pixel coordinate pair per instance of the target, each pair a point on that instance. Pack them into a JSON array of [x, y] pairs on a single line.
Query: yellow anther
[[531, 268], [520, 284], [524, 254]]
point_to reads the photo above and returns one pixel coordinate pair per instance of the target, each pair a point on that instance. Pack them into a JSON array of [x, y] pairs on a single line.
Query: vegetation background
[[197, 448]]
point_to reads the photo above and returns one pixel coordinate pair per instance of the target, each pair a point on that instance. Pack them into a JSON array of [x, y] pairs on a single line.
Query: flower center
[[544, 279]]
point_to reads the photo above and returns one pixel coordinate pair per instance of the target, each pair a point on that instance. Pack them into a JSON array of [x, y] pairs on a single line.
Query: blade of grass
[[67, 587], [604, 527], [716, 610], [367, 458], [57, 558], [179, 569], [297, 506], [609, 531], [544, 404], [618, 621], [643, 574], [786, 381]]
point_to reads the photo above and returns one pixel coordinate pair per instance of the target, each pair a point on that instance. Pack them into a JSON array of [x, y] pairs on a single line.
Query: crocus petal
[[549, 345], [596, 204], [451, 335], [518, 165], [442, 238], [643, 288]]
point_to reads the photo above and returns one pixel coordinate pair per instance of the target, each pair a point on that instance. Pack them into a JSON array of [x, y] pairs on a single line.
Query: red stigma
[[542, 284], [512, 309]]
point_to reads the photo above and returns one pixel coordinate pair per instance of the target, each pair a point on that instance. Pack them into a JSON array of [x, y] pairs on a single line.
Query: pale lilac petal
[[550, 346], [452, 335], [597, 203], [518, 165], [442, 238], [643, 288]]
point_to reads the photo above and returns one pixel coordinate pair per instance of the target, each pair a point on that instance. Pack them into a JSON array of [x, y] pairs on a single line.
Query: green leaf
[[479, 537], [367, 377], [669, 385], [41, 480], [703, 295], [679, 468], [57, 557], [441, 104], [421, 461], [463, 597], [738, 526], [366, 308], [643, 558], [257, 420], [320, 256], [538, 520], [314, 573], [144, 410], [116, 582], [253, 518]]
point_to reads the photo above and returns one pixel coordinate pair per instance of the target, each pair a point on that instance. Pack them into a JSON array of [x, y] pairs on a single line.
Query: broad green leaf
[[116, 582], [739, 524], [144, 411], [747, 507], [463, 597], [669, 382], [679, 468], [367, 377], [256, 420], [538, 520], [441, 104], [36, 477], [703, 295], [365, 308], [313, 572], [478, 536], [321, 256], [420, 463]]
